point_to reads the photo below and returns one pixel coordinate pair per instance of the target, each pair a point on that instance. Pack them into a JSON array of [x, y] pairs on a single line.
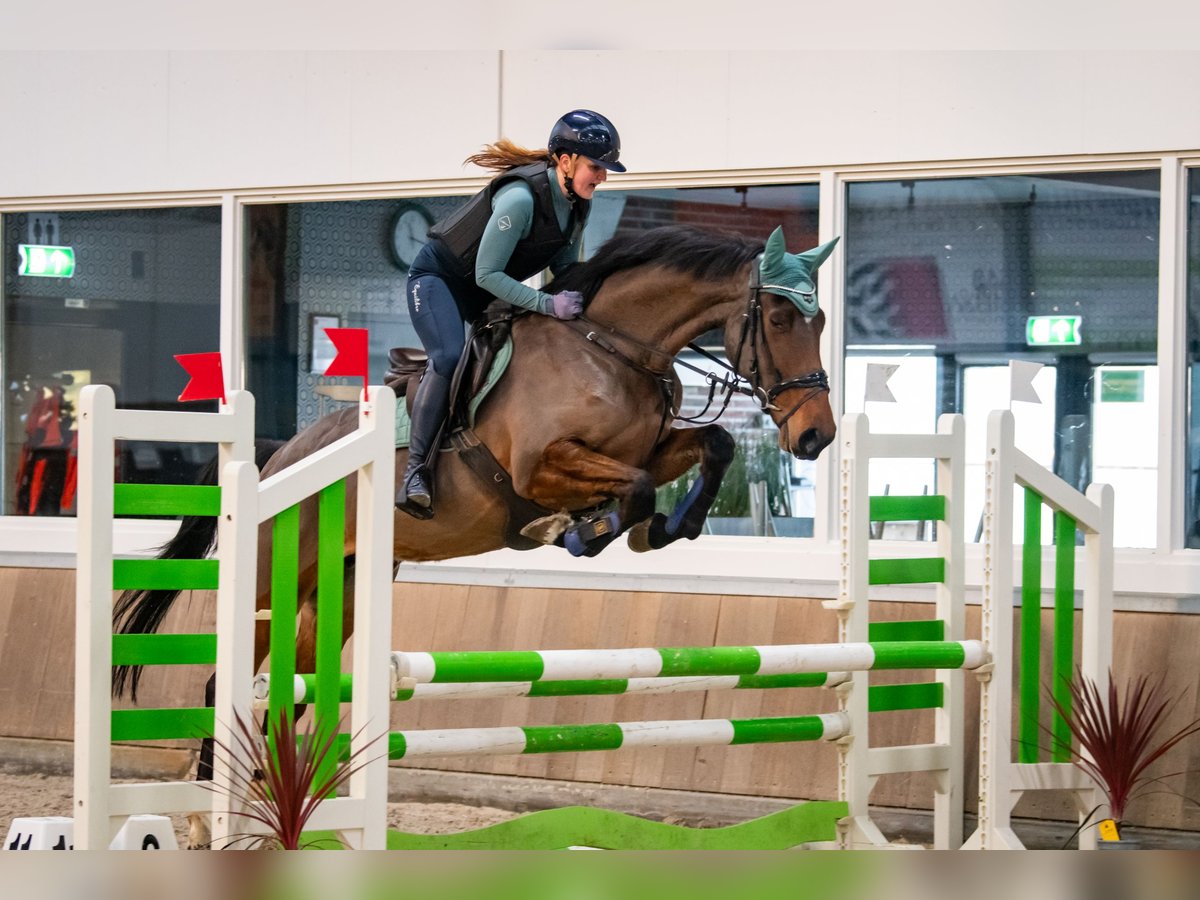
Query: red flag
[[208, 380], [351, 359]]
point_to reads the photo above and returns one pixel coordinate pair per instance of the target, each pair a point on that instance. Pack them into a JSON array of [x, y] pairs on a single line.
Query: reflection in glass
[[949, 273], [1192, 512], [145, 287]]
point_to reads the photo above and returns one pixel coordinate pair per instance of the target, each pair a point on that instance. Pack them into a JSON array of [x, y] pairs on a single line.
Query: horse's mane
[[682, 248]]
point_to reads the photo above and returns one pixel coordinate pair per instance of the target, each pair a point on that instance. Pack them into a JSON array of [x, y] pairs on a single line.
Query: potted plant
[[1117, 738], [280, 778]]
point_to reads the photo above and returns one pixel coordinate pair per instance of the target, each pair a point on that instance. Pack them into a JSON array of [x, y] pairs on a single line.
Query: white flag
[[1021, 381], [877, 379]]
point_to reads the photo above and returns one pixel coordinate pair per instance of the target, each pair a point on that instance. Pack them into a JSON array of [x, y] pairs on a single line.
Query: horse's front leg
[[713, 448], [569, 475]]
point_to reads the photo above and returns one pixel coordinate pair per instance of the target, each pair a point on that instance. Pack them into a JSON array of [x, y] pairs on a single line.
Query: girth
[[521, 512]]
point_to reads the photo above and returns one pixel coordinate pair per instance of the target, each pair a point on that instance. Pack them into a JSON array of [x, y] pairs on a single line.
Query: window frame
[[1162, 579]]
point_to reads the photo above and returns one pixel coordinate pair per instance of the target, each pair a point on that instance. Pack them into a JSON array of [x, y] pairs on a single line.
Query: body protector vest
[[460, 232]]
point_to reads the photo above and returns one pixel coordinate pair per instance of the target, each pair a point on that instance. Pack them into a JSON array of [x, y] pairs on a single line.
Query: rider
[[529, 217]]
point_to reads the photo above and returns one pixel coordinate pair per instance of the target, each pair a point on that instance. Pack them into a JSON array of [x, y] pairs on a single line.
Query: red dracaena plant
[[282, 781], [1120, 739]]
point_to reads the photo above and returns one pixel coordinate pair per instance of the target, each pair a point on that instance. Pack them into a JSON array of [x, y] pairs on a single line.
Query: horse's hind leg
[[713, 448], [569, 474]]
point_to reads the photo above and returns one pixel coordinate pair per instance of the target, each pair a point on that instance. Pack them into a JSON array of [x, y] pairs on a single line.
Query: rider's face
[[587, 175]]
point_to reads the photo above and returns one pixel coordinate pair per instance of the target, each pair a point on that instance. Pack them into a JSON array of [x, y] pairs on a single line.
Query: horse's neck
[[665, 310]]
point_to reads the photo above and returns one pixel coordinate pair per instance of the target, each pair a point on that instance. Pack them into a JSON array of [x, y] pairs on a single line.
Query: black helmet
[[588, 134]]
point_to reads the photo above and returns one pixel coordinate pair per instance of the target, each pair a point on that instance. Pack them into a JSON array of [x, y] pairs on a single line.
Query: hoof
[[639, 538], [649, 535]]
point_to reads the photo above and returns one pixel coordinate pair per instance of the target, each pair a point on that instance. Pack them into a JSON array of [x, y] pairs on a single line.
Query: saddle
[[407, 364], [486, 339]]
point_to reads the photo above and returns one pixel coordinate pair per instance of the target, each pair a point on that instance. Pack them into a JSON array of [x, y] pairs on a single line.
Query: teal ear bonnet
[[791, 274]]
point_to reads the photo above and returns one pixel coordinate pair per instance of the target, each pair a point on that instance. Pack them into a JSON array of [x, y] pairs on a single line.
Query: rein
[[729, 383]]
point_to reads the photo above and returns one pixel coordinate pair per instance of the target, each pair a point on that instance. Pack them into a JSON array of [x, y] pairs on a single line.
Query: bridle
[[729, 383]]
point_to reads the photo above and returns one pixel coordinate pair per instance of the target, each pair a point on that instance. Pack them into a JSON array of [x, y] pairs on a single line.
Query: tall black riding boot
[[415, 496]]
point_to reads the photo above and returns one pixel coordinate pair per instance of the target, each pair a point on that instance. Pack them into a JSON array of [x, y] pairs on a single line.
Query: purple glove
[[566, 304]]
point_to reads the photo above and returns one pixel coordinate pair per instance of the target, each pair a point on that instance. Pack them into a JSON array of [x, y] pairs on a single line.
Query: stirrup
[[414, 509]]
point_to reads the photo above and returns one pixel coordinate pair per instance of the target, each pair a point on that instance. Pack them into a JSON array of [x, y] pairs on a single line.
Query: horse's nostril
[[811, 443]]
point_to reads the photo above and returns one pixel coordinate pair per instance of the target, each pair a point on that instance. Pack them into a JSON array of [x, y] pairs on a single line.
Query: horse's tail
[[142, 610]]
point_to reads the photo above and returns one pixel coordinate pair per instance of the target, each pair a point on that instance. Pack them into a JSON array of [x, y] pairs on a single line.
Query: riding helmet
[[589, 134]]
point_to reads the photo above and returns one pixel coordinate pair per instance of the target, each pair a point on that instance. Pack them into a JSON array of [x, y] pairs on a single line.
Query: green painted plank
[[577, 826], [165, 574], [920, 630], [166, 500], [331, 576], [902, 508], [1063, 664], [162, 724], [1029, 675], [889, 697], [285, 579], [923, 570], [164, 649]]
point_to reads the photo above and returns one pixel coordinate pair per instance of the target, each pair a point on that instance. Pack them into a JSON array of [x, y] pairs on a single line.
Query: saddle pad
[[499, 364]]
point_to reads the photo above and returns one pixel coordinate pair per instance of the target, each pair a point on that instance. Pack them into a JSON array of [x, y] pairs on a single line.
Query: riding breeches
[[438, 322]]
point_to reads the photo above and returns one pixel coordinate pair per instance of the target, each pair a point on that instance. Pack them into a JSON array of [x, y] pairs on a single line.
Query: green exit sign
[[1053, 331], [45, 261]]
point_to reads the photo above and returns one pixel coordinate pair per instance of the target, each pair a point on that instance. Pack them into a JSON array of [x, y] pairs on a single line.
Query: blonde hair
[[504, 155]]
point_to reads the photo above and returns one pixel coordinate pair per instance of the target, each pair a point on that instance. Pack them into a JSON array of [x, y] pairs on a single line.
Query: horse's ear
[[817, 255], [774, 252]]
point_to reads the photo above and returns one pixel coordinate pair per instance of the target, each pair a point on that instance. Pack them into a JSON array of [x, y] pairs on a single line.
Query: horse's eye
[[781, 321]]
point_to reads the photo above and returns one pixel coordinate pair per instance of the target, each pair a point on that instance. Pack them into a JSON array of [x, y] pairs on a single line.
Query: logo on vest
[[416, 299], [504, 222]]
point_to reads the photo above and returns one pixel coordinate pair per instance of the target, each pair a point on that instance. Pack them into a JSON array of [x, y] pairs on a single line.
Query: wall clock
[[408, 233]]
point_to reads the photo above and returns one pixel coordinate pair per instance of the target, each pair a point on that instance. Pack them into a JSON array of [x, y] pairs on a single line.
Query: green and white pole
[[303, 686], [515, 740], [590, 665]]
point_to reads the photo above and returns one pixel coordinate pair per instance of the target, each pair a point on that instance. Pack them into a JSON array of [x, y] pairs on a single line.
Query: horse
[[586, 421]]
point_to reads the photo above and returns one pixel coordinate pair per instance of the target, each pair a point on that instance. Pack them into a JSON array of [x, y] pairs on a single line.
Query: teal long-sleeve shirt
[[511, 220]]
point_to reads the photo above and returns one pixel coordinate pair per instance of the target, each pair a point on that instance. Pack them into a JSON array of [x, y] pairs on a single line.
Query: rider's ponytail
[[504, 155]]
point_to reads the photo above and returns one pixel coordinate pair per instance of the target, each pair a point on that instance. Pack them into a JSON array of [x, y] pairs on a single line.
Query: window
[[100, 297], [952, 278], [348, 260], [1192, 513], [310, 264]]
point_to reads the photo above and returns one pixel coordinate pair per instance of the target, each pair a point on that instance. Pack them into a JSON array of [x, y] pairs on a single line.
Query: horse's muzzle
[[811, 442]]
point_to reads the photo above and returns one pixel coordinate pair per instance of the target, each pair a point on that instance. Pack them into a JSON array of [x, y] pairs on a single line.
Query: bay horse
[[586, 419]]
